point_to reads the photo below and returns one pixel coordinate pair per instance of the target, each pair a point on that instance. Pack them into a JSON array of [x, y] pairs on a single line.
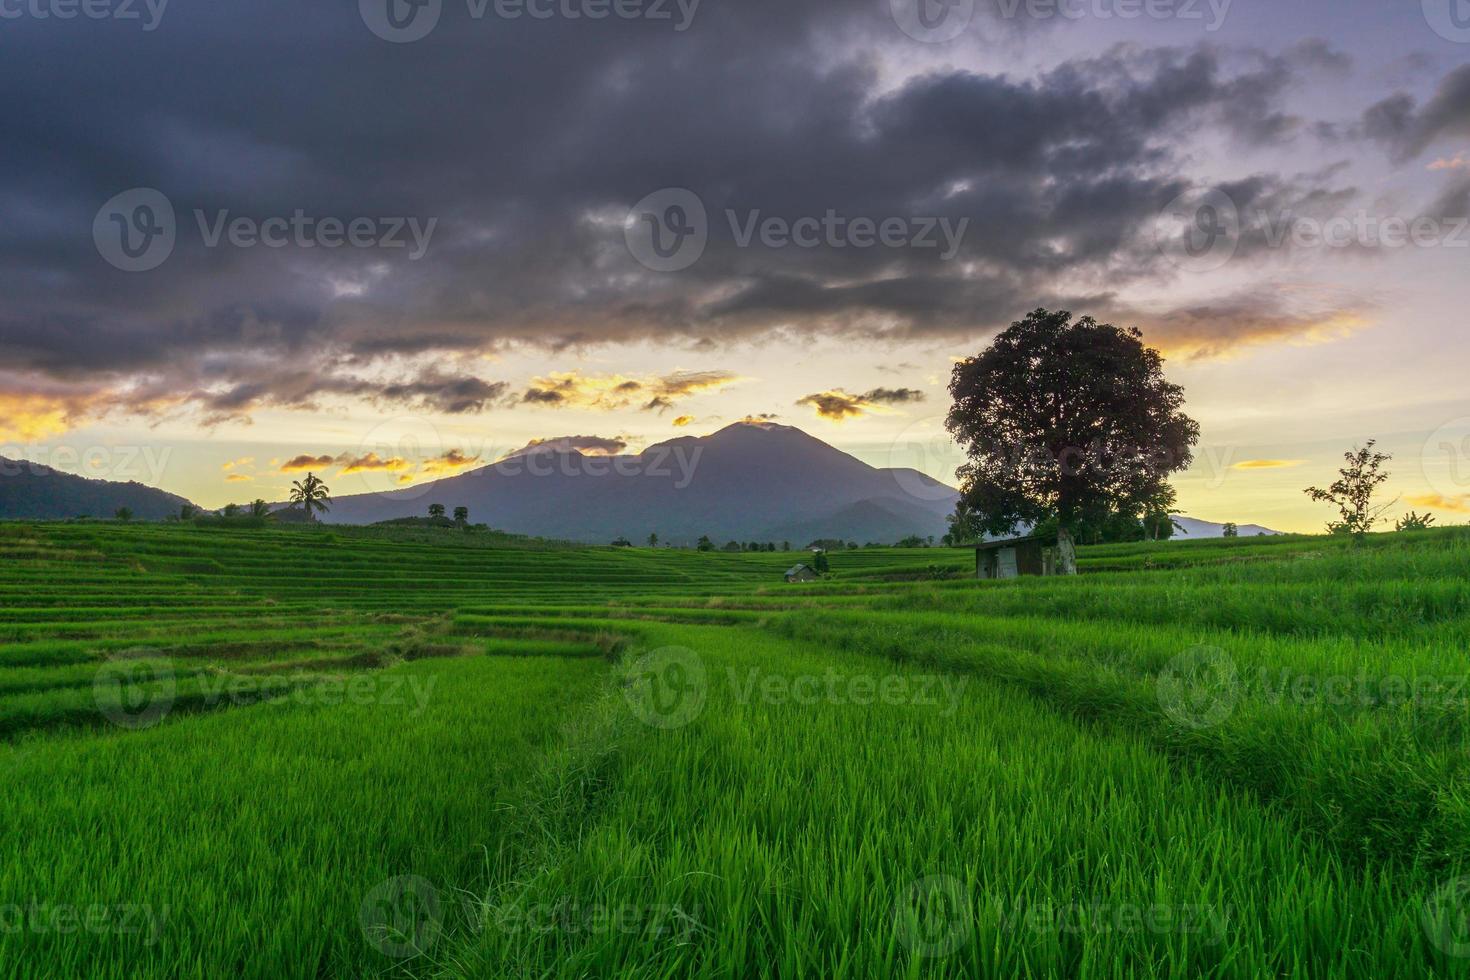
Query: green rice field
[[328, 751]]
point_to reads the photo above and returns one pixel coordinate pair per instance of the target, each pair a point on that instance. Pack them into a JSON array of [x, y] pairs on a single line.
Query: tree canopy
[[1064, 419], [312, 494]]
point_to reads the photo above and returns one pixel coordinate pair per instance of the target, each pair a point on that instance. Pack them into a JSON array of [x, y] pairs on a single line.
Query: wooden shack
[[1014, 557]]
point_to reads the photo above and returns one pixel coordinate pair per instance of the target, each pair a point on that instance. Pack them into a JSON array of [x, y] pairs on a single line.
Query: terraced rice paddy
[[338, 752]]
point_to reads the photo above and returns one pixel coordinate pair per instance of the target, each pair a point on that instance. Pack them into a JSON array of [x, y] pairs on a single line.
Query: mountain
[[35, 492], [1191, 528], [751, 481]]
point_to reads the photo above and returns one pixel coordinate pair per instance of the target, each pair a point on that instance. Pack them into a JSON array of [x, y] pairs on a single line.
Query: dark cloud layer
[[836, 404], [527, 141], [1408, 128]]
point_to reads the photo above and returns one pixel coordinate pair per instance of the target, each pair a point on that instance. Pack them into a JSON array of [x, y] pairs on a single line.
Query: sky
[[391, 240]]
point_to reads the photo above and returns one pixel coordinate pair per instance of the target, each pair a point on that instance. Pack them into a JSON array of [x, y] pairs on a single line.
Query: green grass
[[256, 729]]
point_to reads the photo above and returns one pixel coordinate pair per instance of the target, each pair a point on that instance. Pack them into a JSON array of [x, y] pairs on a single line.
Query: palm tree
[[461, 516], [436, 510], [123, 514], [312, 494], [259, 508], [653, 540]]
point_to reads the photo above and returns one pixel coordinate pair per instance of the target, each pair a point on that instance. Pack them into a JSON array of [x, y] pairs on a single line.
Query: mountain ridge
[[34, 491], [747, 481]]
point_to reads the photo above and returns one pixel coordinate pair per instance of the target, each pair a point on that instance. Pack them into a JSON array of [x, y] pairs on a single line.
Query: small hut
[[1014, 557], [800, 573]]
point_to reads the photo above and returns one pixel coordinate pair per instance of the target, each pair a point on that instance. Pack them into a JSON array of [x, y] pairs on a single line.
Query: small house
[[1014, 557], [801, 573]]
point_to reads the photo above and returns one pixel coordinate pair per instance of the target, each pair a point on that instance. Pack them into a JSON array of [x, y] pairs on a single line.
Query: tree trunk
[[1066, 552]]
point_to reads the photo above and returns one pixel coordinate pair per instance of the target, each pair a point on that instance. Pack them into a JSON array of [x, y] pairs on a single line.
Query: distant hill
[[1191, 528], [751, 481], [35, 492]]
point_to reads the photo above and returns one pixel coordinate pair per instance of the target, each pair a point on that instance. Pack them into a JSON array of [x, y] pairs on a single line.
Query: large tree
[[1069, 420]]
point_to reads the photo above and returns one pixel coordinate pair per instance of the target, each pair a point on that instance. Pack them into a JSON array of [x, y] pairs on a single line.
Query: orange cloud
[[237, 478], [307, 462], [448, 463], [571, 389], [374, 462], [683, 420], [1437, 501], [27, 418], [1219, 331]]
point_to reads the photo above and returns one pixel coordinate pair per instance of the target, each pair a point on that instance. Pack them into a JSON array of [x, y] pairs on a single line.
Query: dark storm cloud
[[837, 404], [431, 391], [450, 395], [1408, 128], [528, 141]]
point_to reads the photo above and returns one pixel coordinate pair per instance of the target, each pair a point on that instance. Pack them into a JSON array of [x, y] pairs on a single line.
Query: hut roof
[[1008, 542]]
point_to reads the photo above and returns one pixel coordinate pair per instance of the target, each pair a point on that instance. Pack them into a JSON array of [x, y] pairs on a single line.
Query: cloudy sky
[[236, 239]]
